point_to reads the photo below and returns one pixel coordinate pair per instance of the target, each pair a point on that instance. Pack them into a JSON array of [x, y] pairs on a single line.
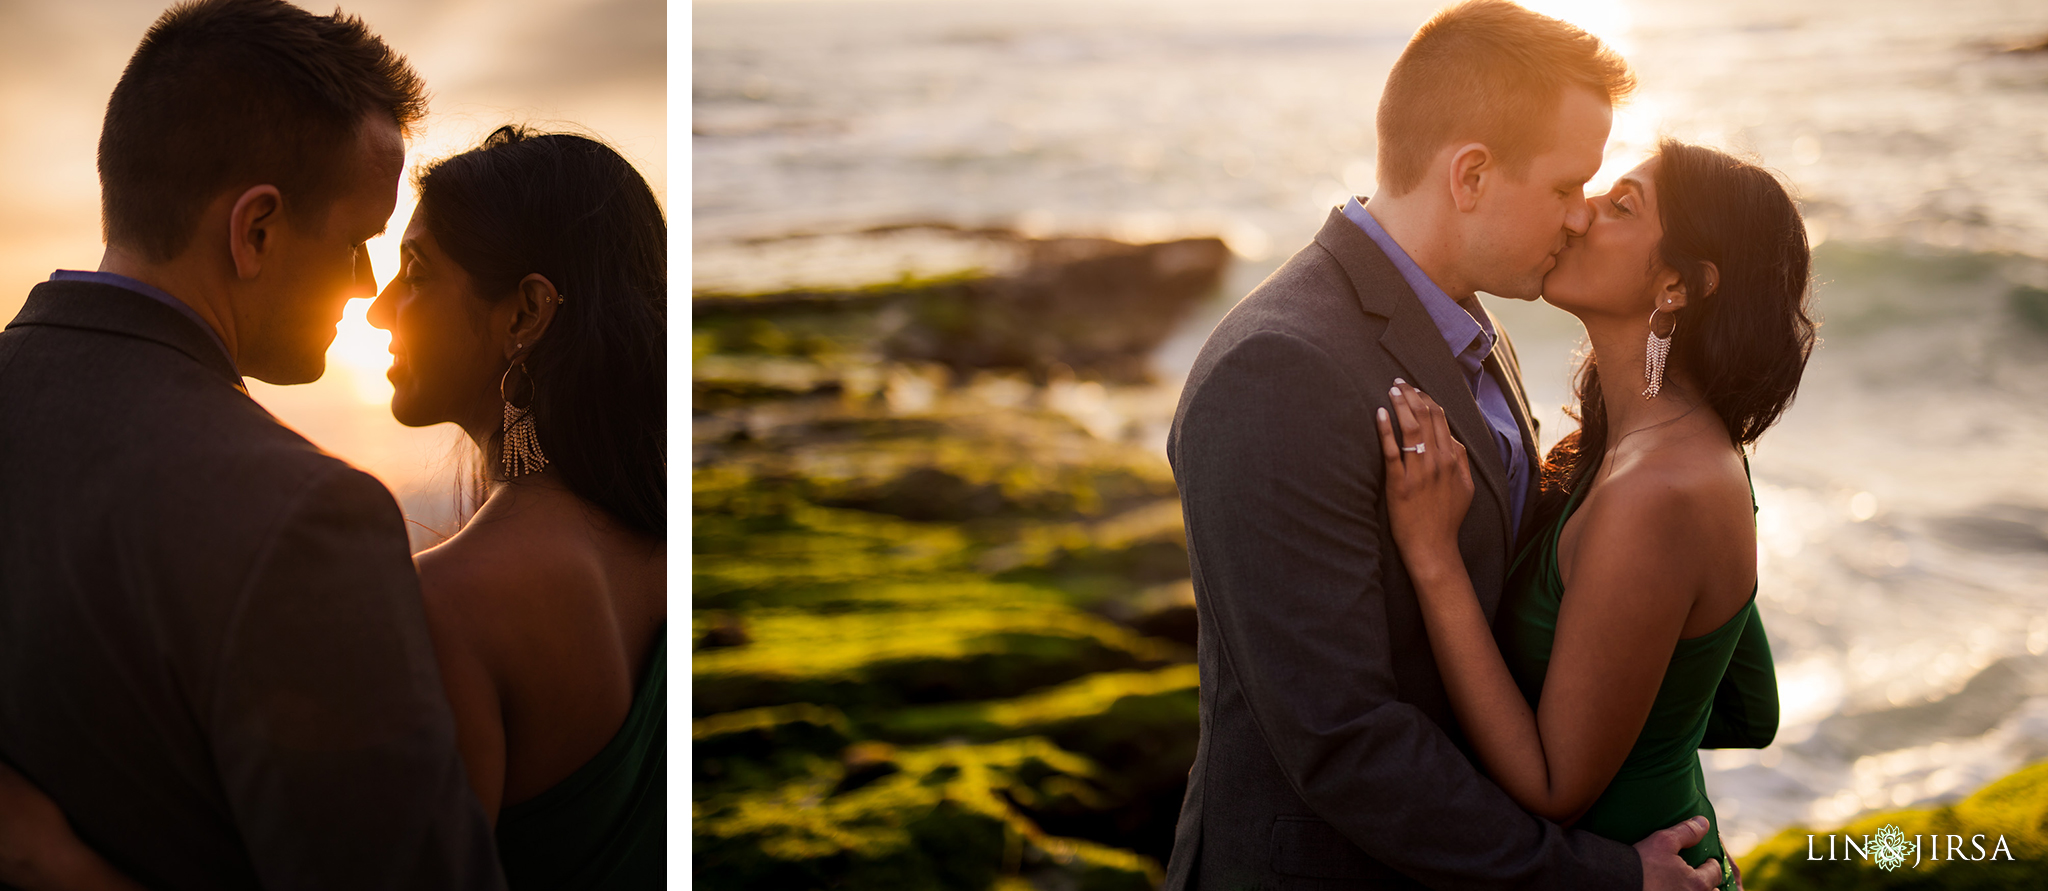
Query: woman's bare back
[[544, 613]]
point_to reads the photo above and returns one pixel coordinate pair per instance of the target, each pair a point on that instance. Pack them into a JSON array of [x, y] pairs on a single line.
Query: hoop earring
[[1654, 355], [519, 448]]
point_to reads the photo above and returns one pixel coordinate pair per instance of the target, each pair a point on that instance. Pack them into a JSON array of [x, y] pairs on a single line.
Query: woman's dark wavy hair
[[1745, 345], [573, 210]]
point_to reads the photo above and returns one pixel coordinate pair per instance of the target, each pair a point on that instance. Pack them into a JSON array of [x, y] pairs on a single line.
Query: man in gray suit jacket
[[213, 654], [1329, 754]]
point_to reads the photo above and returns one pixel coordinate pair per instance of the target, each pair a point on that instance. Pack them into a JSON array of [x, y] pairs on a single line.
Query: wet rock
[[1093, 306], [2028, 303], [1140, 727], [881, 660], [765, 746], [2029, 46], [1163, 611], [942, 628], [944, 818], [866, 763], [722, 630], [1143, 546], [927, 493]]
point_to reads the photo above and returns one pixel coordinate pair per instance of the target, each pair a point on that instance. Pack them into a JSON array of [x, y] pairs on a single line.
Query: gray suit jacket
[[1329, 755], [213, 653]]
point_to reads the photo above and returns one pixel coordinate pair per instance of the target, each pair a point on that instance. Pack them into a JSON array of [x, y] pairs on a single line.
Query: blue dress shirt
[[1470, 336], [147, 290]]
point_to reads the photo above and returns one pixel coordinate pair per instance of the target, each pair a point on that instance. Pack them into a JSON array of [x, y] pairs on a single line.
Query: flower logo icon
[[1888, 848]]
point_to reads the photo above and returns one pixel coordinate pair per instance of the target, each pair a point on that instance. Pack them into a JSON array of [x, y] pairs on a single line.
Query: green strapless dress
[[606, 826], [1720, 691]]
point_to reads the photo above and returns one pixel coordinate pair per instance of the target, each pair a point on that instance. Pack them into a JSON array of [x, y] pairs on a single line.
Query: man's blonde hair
[[1492, 72]]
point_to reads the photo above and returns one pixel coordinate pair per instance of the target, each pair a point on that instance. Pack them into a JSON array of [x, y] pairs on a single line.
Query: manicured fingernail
[[1399, 381], [1383, 414], [1394, 392]]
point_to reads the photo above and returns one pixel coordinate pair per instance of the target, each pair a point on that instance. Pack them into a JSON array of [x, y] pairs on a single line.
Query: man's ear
[[1472, 169], [252, 228], [533, 309]]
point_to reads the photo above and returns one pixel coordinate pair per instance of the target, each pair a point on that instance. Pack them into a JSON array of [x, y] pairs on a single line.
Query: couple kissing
[[1431, 657]]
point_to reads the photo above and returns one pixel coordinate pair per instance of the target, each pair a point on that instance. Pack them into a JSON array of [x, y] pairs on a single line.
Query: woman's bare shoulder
[[502, 576], [1673, 491]]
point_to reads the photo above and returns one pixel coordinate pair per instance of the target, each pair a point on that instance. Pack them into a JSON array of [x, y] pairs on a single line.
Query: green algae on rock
[[942, 818], [926, 561]]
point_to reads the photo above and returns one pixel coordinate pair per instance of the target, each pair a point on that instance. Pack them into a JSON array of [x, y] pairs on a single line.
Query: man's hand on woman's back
[[1664, 870]]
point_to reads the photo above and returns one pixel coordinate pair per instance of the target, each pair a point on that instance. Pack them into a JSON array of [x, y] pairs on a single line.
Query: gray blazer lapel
[[1413, 340]]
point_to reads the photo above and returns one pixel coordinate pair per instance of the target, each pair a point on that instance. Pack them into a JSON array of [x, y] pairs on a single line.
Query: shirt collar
[[1470, 338], [147, 290]]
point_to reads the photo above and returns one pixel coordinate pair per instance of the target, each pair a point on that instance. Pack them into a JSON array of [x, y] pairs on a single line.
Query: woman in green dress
[[1627, 636], [530, 310]]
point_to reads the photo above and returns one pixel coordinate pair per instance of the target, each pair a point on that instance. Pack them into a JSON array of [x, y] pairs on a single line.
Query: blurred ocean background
[[1904, 520], [592, 66]]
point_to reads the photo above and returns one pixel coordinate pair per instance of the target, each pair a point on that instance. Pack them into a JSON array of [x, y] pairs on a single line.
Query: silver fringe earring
[[1654, 355], [520, 448]]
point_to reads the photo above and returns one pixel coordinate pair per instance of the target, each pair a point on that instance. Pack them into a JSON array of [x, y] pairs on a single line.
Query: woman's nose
[[383, 313]]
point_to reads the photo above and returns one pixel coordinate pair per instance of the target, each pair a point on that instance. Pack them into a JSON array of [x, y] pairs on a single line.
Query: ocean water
[[1904, 521]]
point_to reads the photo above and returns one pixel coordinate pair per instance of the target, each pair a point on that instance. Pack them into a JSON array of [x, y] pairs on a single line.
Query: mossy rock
[[1073, 709], [765, 746], [752, 542], [940, 818], [981, 464], [935, 591], [887, 659], [1141, 727], [1138, 548], [2015, 808]]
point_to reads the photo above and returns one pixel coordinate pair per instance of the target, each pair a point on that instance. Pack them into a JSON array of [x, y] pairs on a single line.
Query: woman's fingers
[[1440, 425], [1388, 446], [1424, 410], [1404, 412]]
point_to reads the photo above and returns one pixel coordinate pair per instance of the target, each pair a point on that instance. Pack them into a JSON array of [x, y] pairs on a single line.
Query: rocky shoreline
[[942, 630]]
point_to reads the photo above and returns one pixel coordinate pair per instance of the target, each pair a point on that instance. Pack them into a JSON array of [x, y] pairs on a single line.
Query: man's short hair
[[1492, 72], [226, 94]]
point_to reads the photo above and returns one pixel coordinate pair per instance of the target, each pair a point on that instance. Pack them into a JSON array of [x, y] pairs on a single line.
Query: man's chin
[[288, 374], [1527, 293]]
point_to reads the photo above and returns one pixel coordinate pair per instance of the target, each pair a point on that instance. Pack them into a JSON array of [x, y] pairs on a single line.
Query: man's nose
[[364, 278], [1578, 218]]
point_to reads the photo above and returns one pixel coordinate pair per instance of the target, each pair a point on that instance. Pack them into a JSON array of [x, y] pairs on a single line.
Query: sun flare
[[361, 351]]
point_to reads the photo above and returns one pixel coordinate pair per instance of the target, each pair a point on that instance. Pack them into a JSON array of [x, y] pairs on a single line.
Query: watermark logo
[[1888, 848]]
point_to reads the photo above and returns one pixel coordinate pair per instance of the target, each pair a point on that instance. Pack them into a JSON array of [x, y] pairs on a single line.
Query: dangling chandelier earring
[[1654, 356], [520, 448]]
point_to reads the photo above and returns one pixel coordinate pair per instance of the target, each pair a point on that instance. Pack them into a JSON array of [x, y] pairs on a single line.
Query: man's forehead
[[1583, 122], [379, 149]]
